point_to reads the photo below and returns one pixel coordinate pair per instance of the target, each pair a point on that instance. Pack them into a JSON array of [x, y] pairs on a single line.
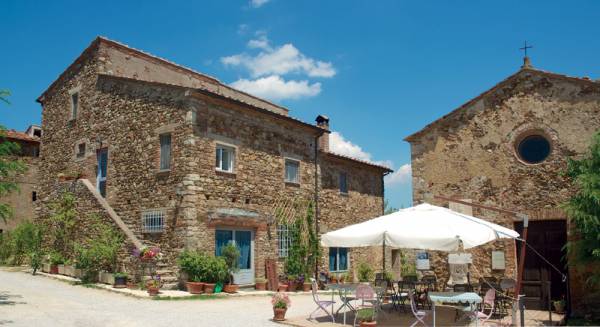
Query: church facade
[[507, 148]]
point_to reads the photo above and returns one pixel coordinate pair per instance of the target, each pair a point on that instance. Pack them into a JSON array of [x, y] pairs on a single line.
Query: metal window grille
[[153, 221], [284, 240]]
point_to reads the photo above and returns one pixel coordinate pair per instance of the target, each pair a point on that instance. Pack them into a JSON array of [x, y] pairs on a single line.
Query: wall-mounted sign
[[422, 260], [498, 262]]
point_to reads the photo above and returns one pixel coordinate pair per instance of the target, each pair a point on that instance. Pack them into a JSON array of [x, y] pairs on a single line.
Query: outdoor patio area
[[445, 316]]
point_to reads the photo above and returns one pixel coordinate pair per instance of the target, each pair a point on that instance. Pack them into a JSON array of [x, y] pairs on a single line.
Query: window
[[225, 158], [33, 196], [284, 240], [80, 150], [338, 259], [153, 221], [37, 132], [343, 183], [533, 149], [291, 171], [74, 104], [165, 151]]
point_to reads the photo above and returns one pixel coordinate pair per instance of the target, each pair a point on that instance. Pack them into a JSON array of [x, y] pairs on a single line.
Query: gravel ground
[[27, 300]]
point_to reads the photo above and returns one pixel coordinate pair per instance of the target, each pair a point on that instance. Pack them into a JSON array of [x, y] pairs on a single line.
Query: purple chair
[[489, 299], [419, 314], [321, 304]]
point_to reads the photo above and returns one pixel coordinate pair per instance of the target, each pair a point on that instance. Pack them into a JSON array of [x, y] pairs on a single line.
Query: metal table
[[469, 298], [341, 289]]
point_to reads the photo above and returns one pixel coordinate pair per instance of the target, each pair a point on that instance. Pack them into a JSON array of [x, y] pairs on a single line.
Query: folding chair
[[489, 299], [419, 314], [321, 304], [367, 299]]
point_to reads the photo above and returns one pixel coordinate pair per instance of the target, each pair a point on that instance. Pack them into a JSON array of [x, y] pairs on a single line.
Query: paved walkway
[[27, 300]]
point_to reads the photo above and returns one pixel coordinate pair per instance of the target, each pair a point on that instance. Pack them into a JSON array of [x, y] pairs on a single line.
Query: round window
[[533, 149]]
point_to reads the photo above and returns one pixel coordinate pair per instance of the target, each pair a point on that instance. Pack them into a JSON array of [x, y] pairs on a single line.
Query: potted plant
[[216, 271], [153, 285], [106, 278], [281, 302], [366, 317], [194, 265], [147, 253], [282, 287], [306, 286], [260, 284], [365, 272], [55, 259], [231, 254], [120, 280], [69, 269], [291, 281], [559, 305]]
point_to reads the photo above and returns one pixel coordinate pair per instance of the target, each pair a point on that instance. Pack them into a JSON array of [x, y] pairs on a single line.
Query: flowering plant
[[281, 301], [154, 282], [147, 253]]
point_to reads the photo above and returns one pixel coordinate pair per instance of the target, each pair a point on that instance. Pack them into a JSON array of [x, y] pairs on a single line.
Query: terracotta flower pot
[[54, 269], [279, 314], [195, 287], [368, 324], [132, 286], [230, 288], [152, 291], [282, 288], [209, 288], [260, 286], [306, 287]]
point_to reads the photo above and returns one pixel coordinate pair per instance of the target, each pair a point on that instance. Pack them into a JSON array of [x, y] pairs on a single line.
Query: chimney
[[526, 63], [323, 122]]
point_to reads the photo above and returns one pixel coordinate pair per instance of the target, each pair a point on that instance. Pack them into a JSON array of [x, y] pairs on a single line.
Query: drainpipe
[[317, 202]]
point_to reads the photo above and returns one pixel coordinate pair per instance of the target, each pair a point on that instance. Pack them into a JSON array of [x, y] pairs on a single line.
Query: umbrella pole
[[383, 254]]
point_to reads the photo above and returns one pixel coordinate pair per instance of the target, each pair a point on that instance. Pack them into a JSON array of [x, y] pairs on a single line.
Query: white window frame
[[219, 157], [285, 177], [169, 154], [154, 221], [284, 240]]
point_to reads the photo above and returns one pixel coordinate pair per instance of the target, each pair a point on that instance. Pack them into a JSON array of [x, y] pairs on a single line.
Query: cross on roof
[[525, 47]]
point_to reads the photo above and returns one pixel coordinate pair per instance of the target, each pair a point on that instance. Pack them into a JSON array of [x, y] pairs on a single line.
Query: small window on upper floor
[[33, 196], [165, 151], [37, 132], [225, 158], [343, 183], [81, 150], [292, 171], [74, 105]]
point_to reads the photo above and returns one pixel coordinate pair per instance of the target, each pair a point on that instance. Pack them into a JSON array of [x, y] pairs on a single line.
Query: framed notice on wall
[[498, 262], [422, 260]]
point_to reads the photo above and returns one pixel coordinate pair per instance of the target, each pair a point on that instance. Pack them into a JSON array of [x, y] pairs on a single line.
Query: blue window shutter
[[332, 259], [343, 254]]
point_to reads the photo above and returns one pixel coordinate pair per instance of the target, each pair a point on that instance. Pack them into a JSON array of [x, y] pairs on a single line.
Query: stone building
[[506, 148], [177, 159], [22, 200]]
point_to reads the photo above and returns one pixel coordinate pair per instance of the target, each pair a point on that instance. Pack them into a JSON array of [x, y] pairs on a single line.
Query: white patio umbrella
[[424, 226]]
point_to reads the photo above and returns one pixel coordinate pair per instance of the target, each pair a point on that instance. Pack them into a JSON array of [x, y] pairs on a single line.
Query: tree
[[9, 166], [583, 210], [387, 209]]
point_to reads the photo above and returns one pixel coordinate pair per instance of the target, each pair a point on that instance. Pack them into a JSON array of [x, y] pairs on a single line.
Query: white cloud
[[276, 88], [258, 3], [338, 144], [242, 29], [401, 175], [279, 61]]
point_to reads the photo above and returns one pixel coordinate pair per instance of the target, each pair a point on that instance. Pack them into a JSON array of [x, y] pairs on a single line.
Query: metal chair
[[419, 314], [368, 299], [489, 300], [402, 293], [321, 304]]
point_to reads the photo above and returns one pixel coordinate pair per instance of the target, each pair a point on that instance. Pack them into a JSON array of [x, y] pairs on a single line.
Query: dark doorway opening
[[548, 237]]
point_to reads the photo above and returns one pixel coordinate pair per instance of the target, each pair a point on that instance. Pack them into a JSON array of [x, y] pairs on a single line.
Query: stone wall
[[471, 154]]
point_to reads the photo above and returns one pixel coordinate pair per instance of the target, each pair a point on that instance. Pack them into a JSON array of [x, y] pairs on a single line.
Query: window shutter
[[165, 151]]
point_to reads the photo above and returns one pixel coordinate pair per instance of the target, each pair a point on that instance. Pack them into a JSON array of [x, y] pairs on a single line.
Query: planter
[[69, 270], [46, 267], [260, 286], [54, 269], [279, 314], [61, 269], [282, 288], [152, 291], [559, 307], [120, 282], [195, 287], [292, 286], [231, 288], [368, 324], [106, 278], [132, 286], [209, 288], [77, 273], [306, 287], [334, 280]]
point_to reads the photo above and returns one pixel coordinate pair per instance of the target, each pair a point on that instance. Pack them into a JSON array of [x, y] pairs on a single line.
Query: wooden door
[[547, 237]]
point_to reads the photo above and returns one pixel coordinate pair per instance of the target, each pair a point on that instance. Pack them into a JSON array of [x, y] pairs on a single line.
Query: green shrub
[[216, 270], [56, 258], [365, 272], [194, 264], [100, 252], [365, 315], [231, 254]]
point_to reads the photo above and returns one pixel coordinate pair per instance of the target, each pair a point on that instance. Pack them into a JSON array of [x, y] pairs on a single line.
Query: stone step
[[170, 286]]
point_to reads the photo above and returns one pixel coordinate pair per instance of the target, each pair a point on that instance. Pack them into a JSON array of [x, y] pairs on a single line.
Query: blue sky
[[380, 70]]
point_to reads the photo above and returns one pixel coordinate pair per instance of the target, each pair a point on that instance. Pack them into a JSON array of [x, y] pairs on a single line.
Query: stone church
[[176, 159], [506, 148]]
